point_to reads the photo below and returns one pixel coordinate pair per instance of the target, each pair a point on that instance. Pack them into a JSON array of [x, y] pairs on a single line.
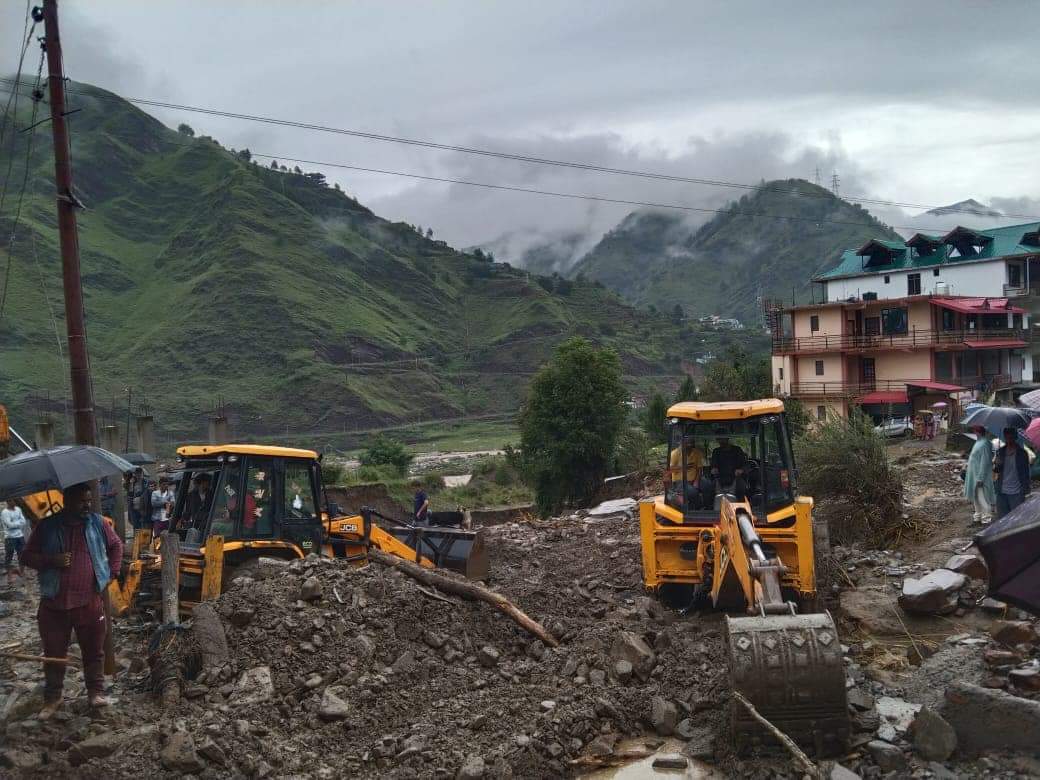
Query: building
[[904, 325]]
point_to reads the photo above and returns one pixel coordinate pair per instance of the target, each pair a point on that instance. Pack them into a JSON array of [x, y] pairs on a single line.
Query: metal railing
[[909, 340], [845, 389]]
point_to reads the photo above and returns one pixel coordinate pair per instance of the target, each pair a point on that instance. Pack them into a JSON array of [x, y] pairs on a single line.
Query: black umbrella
[[56, 469], [996, 418], [138, 458], [1011, 548]]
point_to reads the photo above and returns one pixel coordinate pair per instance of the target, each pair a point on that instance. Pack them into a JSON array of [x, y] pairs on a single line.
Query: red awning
[[977, 305], [942, 387], [995, 344], [884, 397]]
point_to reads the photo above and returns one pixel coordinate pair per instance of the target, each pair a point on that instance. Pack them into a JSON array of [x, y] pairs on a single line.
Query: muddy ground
[[334, 671]]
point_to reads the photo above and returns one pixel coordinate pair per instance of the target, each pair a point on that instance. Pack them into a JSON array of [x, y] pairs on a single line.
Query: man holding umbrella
[[77, 554], [978, 477], [1012, 468]]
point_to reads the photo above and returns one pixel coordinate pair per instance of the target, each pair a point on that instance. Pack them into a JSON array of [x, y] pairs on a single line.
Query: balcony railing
[[910, 340], [839, 389]]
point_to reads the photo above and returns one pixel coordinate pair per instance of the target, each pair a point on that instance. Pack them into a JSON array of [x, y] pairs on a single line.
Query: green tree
[[687, 390], [384, 451], [570, 423], [737, 377], [797, 417], [677, 313], [187, 130], [654, 416]]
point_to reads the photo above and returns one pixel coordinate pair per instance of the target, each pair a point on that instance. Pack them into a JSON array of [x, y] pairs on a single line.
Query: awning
[[884, 397], [942, 387], [995, 344], [977, 305]]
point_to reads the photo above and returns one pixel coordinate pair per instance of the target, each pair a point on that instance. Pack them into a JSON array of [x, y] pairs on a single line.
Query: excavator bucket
[[456, 549], [790, 668]]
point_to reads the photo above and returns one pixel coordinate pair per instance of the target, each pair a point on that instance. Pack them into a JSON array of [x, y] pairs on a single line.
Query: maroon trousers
[[56, 627]]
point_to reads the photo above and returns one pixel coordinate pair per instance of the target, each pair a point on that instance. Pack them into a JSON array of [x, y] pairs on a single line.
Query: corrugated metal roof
[[1004, 242]]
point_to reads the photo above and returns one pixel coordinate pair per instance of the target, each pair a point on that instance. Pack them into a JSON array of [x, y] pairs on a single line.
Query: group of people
[[996, 483], [151, 503], [726, 472]]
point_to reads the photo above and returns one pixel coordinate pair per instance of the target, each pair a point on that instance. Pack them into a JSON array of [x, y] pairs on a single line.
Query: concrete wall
[[832, 406], [830, 322], [986, 278], [781, 373], [903, 365], [831, 368]]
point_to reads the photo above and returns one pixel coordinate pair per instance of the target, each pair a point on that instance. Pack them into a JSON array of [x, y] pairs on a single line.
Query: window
[[935, 272], [258, 517], [949, 320], [821, 413], [913, 284], [887, 278], [872, 326], [814, 323], [819, 368], [225, 513], [1014, 275], [299, 495], [894, 321], [780, 373]]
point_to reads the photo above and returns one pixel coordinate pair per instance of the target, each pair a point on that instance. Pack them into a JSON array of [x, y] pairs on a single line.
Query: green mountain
[[726, 266], [209, 276]]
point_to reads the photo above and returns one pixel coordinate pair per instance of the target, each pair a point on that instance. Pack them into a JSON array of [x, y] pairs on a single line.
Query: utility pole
[[79, 362], [834, 184]]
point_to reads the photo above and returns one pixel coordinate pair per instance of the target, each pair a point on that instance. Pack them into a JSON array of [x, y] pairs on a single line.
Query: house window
[[814, 323], [872, 326], [819, 368], [913, 284], [821, 413], [887, 278], [949, 320], [780, 373], [935, 272], [893, 321], [1014, 275]]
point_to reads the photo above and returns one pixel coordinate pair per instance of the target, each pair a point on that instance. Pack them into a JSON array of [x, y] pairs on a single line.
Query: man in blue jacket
[[1012, 467]]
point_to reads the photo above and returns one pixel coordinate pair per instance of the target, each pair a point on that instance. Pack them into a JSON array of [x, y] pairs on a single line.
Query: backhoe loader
[[236, 503], [731, 532]]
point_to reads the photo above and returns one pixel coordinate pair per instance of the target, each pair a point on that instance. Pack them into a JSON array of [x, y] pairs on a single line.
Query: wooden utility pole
[[79, 362]]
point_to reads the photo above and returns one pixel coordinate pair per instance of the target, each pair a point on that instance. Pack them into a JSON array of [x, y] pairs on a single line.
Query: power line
[[509, 155]]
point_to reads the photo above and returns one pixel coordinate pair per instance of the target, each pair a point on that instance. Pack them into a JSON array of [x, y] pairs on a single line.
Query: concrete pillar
[[110, 441], [44, 435], [146, 434], [219, 431]]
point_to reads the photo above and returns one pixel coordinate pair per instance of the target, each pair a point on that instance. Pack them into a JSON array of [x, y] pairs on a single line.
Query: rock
[[994, 657], [434, 640], [940, 772], [896, 713], [630, 647], [255, 686], [597, 677], [969, 565], [405, 663], [105, 744], [310, 590], [700, 743], [623, 671], [670, 761], [312, 682], [1026, 679], [211, 751], [664, 715], [548, 705], [933, 594], [1011, 633], [488, 656], [472, 769], [332, 706], [179, 755], [208, 633], [685, 728], [621, 506], [887, 756], [860, 699], [934, 738], [25, 760], [838, 772], [993, 606], [986, 719], [602, 745], [241, 616], [872, 609]]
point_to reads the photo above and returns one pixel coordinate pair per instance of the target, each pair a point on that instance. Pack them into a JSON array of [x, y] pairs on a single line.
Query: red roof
[[940, 386], [995, 344], [884, 397], [976, 305]]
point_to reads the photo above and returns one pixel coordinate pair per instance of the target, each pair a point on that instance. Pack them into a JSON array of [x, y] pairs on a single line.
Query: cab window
[[258, 500], [298, 493], [228, 504]]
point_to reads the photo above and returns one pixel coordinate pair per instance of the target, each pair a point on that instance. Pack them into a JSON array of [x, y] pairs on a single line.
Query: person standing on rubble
[[978, 477], [12, 527], [421, 505], [1012, 473], [77, 554]]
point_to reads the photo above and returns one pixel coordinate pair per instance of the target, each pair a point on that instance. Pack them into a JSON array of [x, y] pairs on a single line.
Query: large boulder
[[179, 755], [969, 565], [987, 719], [664, 716], [934, 738], [255, 686], [631, 647], [933, 594], [333, 704]]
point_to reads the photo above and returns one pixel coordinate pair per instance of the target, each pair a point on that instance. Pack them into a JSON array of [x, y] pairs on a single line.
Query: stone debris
[[664, 716], [969, 565], [934, 738], [1012, 633], [986, 719], [935, 593], [670, 761]]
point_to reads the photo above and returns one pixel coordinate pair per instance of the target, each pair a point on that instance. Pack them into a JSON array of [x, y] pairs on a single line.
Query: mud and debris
[[320, 669]]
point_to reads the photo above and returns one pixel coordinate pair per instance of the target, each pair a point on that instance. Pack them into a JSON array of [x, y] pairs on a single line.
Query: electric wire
[[531, 159]]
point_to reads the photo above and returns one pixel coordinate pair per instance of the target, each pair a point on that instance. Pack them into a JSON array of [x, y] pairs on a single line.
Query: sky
[[926, 102]]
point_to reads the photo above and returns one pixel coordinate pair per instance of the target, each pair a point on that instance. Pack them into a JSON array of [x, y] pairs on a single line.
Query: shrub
[[654, 417], [384, 451], [844, 461], [331, 473], [797, 418], [634, 451]]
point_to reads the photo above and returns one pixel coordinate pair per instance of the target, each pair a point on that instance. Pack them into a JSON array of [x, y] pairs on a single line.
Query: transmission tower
[[817, 179], [835, 181]]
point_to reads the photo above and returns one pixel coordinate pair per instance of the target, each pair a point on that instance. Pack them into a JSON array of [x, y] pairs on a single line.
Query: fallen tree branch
[[45, 659], [612, 759], [467, 590], [800, 758], [434, 594]]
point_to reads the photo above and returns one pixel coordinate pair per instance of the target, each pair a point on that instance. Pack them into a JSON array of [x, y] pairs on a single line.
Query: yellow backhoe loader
[[237, 503], [731, 532]]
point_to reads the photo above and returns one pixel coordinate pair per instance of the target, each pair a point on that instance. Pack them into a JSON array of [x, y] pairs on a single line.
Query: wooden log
[[43, 658], [171, 687], [473, 591], [801, 760]]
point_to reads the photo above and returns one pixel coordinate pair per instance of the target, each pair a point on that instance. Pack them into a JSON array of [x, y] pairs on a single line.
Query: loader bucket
[[790, 668], [449, 548]]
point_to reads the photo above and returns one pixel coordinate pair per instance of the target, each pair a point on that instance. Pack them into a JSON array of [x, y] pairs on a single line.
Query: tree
[[654, 417], [797, 417], [429, 233], [677, 313], [296, 170], [478, 253], [384, 451], [570, 423], [737, 377], [245, 154], [687, 390], [274, 165], [187, 130]]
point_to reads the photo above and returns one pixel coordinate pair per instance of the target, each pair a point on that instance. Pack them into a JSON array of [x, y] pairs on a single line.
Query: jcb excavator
[[731, 532], [236, 503]]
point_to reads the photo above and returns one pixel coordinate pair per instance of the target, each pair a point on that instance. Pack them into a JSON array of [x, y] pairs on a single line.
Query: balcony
[[995, 338], [840, 389]]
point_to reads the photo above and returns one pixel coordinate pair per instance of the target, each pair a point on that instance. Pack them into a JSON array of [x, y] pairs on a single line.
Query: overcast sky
[[922, 102]]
